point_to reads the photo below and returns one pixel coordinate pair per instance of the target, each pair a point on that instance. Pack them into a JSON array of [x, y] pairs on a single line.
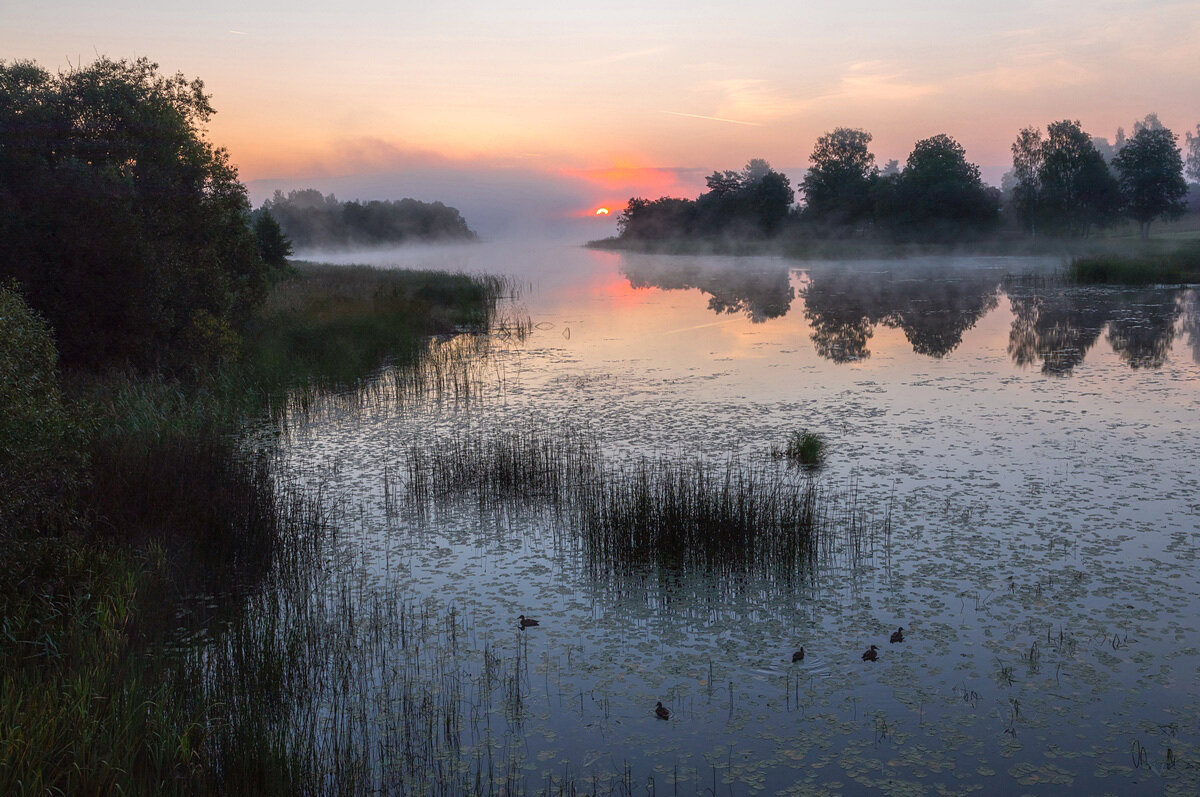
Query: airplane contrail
[[714, 118]]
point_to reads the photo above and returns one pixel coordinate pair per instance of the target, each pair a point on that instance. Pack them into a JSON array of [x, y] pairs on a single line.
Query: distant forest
[[1063, 183], [311, 219]]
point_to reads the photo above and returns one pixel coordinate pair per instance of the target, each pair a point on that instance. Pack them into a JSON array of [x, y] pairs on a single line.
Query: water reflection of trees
[[1057, 324], [933, 307], [1190, 310], [759, 292]]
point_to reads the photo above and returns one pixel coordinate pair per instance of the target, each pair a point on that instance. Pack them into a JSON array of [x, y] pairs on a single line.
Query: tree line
[[1061, 183], [312, 219]]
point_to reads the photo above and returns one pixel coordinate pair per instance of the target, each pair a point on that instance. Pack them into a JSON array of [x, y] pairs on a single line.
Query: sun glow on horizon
[[602, 211]]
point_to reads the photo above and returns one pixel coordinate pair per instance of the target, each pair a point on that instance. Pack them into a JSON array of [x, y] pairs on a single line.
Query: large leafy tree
[[838, 187], [1151, 177], [126, 228], [940, 195], [1077, 190]]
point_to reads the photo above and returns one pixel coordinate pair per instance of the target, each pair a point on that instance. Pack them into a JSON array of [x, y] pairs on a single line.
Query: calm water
[[1034, 446]]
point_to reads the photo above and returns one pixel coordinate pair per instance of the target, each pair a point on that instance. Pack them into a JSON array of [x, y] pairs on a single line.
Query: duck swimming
[[798, 656], [898, 635], [872, 654], [661, 711], [526, 622]]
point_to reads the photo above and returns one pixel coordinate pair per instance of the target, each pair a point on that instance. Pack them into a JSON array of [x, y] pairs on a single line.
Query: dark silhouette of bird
[[872, 654], [898, 635], [661, 711], [526, 622], [798, 656]]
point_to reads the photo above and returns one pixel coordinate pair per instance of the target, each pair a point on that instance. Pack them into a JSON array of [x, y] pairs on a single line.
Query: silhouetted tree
[[1028, 154], [940, 196], [127, 230], [273, 246], [747, 204], [1151, 177], [658, 219], [1077, 190], [837, 188]]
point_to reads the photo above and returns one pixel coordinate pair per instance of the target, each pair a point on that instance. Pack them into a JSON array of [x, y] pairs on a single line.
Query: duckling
[[872, 654], [898, 635], [526, 622], [661, 711], [798, 656]]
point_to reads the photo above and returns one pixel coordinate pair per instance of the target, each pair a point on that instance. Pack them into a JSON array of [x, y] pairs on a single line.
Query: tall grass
[[331, 327], [645, 513], [1177, 267], [181, 533]]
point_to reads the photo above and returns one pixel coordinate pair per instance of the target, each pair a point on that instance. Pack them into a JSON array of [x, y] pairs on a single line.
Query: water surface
[[1032, 444]]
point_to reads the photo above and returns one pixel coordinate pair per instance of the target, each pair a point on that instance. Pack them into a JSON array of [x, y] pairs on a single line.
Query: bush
[[40, 459], [117, 217]]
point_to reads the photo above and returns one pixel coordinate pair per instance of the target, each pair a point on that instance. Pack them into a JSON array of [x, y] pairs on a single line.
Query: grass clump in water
[[650, 512], [804, 448]]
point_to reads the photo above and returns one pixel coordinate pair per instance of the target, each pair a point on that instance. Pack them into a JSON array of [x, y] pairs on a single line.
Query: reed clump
[[803, 448], [690, 515]]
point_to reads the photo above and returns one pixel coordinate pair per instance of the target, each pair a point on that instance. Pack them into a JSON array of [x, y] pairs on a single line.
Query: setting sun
[[602, 211]]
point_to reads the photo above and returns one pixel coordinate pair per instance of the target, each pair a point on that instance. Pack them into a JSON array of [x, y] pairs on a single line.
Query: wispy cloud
[[714, 118]]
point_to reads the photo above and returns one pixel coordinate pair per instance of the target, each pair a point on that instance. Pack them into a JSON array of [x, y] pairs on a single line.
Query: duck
[[872, 654], [526, 622], [898, 635], [661, 711], [798, 656]]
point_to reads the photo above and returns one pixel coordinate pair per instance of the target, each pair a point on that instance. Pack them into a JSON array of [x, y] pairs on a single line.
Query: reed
[[648, 512]]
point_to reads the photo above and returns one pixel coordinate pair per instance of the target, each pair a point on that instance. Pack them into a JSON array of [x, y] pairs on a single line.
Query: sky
[[532, 113]]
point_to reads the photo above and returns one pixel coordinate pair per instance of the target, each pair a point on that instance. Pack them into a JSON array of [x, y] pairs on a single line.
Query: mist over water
[[1029, 442]]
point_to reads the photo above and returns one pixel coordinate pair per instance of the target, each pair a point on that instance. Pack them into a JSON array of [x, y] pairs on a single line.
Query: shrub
[[40, 446]]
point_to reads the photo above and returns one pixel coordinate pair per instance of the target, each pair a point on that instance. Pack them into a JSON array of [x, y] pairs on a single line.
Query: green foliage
[[838, 187], [1076, 189], [1178, 267], [939, 195], [273, 246], [332, 326], [1193, 154], [40, 445], [1151, 177], [118, 218], [805, 447], [81, 710], [311, 219], [745, 205]]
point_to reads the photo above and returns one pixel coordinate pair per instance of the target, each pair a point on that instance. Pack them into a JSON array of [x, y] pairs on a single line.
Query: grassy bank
[[136, 521], [1174, 267]]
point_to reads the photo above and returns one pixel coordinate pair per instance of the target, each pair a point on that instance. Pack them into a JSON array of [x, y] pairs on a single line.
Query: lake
[[1010, 476]]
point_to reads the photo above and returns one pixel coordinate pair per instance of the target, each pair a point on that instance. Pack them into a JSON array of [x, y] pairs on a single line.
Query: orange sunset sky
[[552, 109]]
